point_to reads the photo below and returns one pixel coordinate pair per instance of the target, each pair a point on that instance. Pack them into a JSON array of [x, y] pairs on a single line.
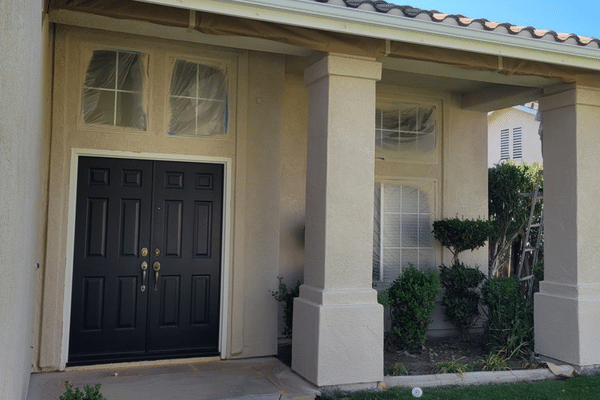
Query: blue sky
[[581, 17]]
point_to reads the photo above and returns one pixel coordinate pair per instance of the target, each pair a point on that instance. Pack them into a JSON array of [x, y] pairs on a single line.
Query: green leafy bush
[[494, 362], [411, 299], [396, 369], [508, 209], [452, 366], [509, 326], [286, 296], [459, 235], [461, 295], [89, 393]]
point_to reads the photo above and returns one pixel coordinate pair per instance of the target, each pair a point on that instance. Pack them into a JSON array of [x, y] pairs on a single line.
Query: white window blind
[[402, 229]]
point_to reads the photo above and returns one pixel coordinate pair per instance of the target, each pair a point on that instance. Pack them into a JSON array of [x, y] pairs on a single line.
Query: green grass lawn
[[580, 388]]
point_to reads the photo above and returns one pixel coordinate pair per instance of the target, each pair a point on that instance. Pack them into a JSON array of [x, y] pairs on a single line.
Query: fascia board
[[311, 14]]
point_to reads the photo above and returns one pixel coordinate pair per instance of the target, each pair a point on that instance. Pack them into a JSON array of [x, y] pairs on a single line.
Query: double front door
[[147, 260]]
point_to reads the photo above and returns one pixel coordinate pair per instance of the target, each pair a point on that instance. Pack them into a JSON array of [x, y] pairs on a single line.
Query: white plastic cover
[[113, 90], [406, 131], [198, 100], [402, 228]]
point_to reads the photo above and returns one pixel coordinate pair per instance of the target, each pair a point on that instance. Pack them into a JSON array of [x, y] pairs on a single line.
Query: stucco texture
[[21, 170]]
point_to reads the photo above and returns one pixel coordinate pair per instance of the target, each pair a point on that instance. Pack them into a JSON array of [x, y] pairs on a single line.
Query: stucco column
[[338, 324], [567, 308]]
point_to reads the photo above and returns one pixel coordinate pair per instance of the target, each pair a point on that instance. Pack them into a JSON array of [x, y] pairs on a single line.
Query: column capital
[[343, 65], [569, 95]]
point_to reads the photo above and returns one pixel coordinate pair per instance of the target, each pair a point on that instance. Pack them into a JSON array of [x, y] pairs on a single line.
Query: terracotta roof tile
[[462, 21]]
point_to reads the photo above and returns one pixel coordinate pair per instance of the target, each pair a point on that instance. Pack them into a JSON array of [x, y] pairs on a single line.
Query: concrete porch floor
[[258, 378]]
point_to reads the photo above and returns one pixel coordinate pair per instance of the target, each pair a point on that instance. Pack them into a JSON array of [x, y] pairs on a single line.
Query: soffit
[[474, 75]]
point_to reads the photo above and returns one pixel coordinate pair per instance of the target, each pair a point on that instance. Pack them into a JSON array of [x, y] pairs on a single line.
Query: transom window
[[198, 100], [406, 131], [402, 228], [113, 90]]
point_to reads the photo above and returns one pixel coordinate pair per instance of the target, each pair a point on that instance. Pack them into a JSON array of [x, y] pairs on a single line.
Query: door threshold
[[144, 364]]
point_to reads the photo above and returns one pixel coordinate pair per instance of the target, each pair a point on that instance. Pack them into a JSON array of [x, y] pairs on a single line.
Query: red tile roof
[[462, 21]]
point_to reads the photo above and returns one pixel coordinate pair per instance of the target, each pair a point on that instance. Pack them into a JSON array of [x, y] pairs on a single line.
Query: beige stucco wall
[[22, 170], [465, 172], [260, 265], [459, 173], [567, 306], [252, 151], [461, 183], [293, 181], [267, 152]]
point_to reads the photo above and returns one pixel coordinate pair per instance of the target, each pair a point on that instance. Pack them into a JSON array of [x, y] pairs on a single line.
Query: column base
[[338, 344], [566, 323]]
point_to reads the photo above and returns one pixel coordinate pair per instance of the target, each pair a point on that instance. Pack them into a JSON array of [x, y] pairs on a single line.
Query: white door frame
[[225, 248]]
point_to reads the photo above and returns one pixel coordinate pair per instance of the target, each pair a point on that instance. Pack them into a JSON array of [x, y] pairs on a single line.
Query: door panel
[[174, 209], [187, 232], [108, 312]]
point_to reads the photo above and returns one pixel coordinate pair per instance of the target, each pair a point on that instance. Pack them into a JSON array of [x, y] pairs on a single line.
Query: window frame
[[85, 52], [512, 143], [157, 84], [517, 143], [422, 184], [224, 63], [386, 99]]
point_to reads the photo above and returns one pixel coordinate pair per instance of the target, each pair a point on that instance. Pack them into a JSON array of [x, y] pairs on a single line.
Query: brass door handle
[[156, 268], [144, 268]]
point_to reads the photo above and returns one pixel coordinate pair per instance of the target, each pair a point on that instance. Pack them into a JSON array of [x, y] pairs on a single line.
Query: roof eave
[[311, 14]]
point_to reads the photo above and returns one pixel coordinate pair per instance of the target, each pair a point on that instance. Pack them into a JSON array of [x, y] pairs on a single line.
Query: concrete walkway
[[252, 379]]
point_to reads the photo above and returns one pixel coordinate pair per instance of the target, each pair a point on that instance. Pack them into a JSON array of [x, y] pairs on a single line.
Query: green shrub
[[397, 369], [411, 299], [509, 326], [494, 362], [287, 296], [89, 393], [508, 210], [461, 295], [452, 366], [458, 235]]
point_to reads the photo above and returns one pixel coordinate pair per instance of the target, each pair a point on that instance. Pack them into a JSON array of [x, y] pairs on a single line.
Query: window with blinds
[[402, 228]]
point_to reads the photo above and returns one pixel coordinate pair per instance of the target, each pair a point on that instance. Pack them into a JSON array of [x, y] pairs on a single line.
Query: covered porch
[[345, 56]]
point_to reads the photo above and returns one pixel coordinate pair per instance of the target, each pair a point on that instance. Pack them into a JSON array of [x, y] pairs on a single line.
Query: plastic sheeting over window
[[113, 89], [198, 100], [406, 131], [402, 229]]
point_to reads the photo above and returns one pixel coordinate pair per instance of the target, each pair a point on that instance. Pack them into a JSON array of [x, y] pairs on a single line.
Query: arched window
[[402, 229]]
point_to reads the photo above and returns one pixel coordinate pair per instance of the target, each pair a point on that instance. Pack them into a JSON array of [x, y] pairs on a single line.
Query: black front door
[[147, 260]]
